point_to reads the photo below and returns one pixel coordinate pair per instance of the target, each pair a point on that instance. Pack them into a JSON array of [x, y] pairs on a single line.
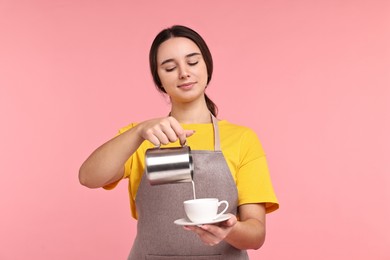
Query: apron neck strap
[[217, 143]]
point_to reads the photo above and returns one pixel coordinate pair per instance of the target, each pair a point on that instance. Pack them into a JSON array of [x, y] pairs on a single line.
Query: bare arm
[[106, 164], [248, 233]]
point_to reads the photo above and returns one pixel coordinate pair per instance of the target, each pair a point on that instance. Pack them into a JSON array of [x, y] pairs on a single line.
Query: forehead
[[176, 48]]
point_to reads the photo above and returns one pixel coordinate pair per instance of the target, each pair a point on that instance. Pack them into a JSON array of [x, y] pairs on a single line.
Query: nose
[[184, 73]]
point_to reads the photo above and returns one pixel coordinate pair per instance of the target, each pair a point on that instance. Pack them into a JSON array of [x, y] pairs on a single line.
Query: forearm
[[106, 163], [248, 234]]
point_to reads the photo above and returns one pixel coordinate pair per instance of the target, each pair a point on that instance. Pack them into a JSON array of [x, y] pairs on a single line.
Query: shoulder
[[231, 128], [243, 138]]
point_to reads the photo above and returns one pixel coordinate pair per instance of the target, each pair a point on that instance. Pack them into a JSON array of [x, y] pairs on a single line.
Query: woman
[[233, 164]]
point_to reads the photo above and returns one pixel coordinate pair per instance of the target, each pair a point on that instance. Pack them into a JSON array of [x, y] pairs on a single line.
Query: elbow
[[83, 178], [258, 245], [90, 179], [259, 242]]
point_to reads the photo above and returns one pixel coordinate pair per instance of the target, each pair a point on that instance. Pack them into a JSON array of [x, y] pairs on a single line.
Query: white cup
[[204, 210]]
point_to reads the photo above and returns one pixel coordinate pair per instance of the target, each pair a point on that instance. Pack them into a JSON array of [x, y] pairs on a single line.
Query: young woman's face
[[182, 70]]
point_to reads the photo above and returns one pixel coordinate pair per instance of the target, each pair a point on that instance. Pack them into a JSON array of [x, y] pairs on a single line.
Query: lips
[[186, 85]]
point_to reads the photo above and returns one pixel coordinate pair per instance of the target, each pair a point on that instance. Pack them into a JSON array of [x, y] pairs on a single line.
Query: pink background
[[310, 77]]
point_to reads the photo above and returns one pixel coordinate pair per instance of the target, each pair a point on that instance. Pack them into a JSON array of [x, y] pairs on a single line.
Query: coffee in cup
[[204, 210]]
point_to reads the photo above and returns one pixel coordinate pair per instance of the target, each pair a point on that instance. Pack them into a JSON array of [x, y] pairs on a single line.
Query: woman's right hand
[[105, 164], [161, 131]]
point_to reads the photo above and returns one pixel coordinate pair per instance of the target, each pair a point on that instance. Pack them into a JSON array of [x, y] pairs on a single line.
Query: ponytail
[[211, 106]]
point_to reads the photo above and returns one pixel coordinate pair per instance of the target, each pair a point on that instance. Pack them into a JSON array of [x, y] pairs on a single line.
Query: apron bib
[[158, 238]]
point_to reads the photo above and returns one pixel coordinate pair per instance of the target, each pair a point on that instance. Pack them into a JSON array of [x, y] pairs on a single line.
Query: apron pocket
[[184, 257]]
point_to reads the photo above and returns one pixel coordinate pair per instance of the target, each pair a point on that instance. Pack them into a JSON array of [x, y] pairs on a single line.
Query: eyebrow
[[187, 56]]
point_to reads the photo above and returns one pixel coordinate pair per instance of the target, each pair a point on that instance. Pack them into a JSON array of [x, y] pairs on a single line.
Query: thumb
[[231, 221], [189, 132]]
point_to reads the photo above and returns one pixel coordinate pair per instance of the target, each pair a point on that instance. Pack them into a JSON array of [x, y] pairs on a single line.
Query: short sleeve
[[253, 178]]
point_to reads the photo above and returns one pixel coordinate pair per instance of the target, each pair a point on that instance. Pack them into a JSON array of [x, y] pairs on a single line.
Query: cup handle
[[224, 210]]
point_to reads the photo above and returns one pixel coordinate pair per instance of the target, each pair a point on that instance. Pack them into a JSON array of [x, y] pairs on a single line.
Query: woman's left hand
[[213, 234]]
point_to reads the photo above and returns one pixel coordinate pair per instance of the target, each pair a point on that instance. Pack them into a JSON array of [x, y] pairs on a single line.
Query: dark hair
[[182, 31]]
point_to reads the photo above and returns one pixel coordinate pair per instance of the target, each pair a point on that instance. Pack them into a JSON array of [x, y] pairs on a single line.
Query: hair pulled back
[[181, 31]]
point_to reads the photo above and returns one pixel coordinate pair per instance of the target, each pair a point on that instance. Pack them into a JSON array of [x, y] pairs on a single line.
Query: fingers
[[160, 134], [211, 234], [178, 131], [154, 140], [206, 237], [164, 130], [169, 132], [189, 132], [181, 134]]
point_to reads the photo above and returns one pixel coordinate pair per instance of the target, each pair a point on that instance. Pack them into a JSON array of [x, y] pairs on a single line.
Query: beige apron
[[159, 206]]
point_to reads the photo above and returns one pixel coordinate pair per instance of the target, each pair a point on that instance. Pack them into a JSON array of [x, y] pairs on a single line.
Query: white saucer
[[187, 222]]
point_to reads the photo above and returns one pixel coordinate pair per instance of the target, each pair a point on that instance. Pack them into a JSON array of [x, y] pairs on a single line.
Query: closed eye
[[193, 63], [170, 69]]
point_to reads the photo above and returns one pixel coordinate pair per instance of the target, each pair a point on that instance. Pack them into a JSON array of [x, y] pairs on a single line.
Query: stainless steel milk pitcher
[[169, 165]]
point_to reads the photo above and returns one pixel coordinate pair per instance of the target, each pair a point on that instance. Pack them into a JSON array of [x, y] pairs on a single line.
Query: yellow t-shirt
[[241, 149]]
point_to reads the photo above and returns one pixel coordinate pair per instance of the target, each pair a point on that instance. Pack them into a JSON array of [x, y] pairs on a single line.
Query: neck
[[191, 115]]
